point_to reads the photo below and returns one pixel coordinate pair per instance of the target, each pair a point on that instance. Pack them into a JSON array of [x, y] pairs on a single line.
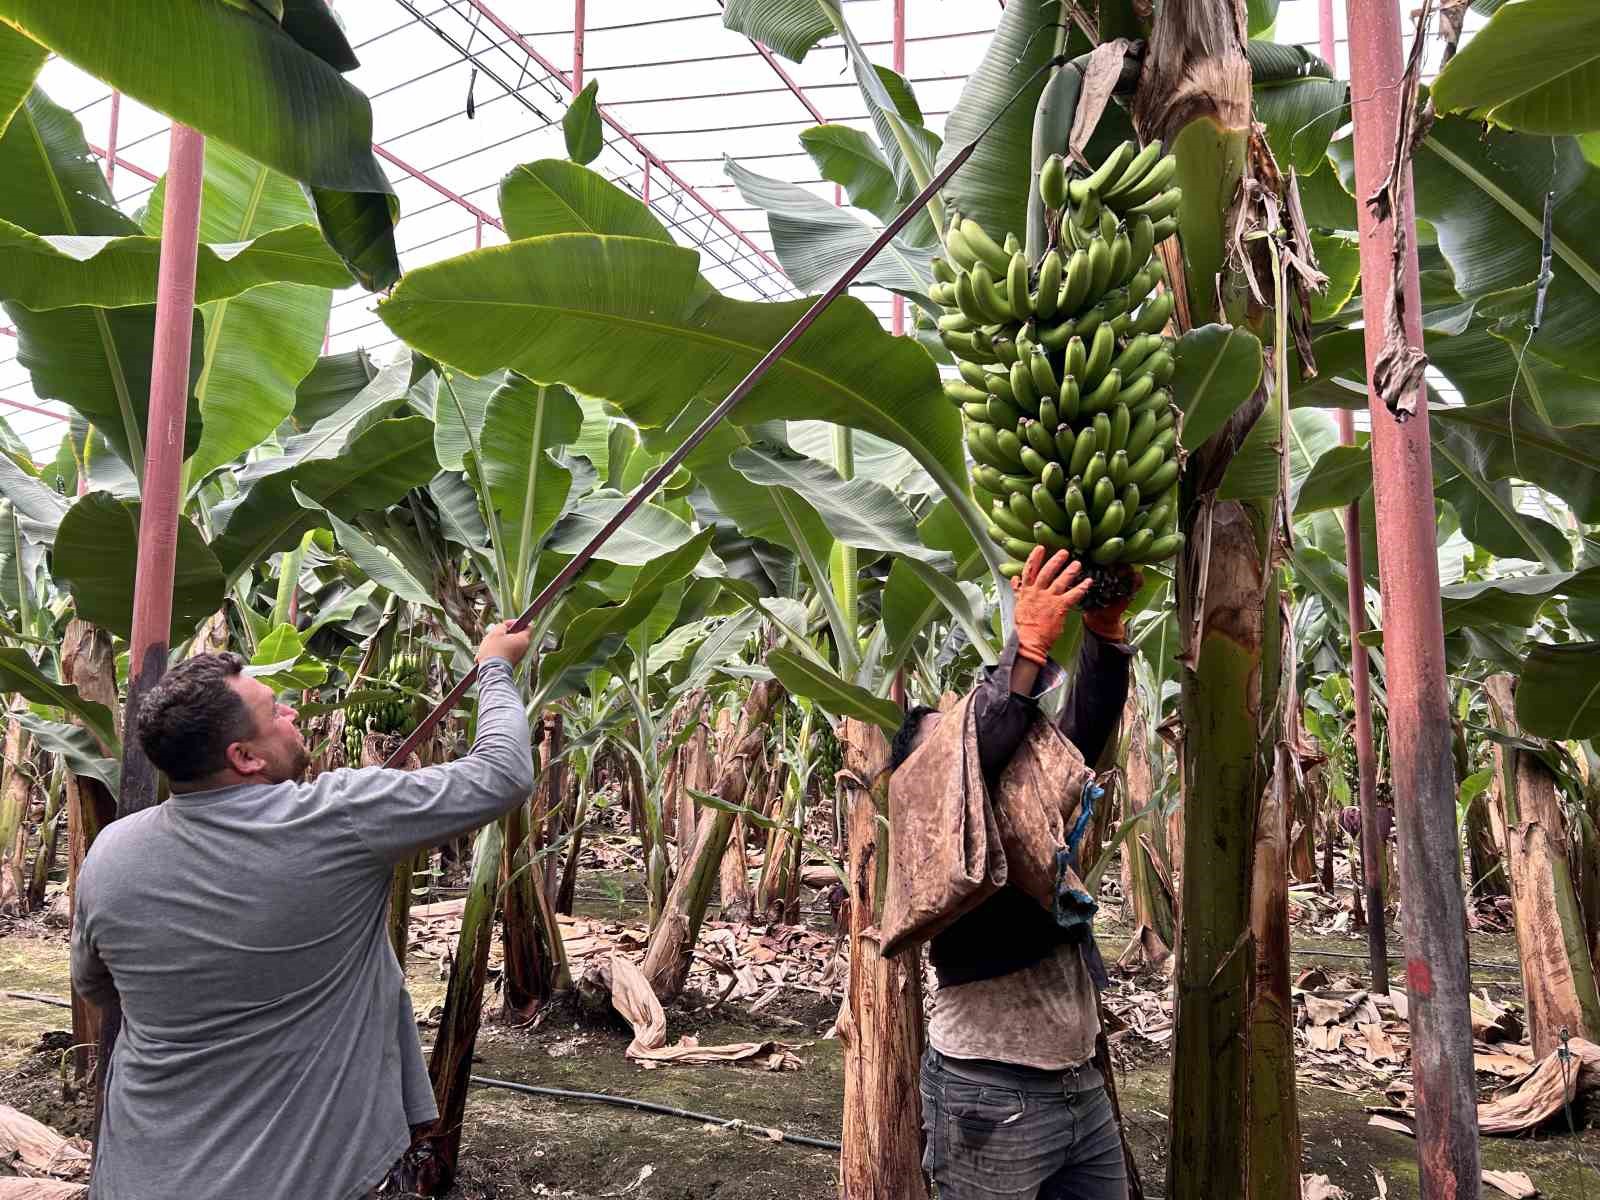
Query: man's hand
[[1106, 623], [1046, 593], [500, 642]]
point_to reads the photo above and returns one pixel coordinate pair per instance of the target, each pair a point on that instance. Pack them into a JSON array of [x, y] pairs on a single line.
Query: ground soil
[[517, 1145]]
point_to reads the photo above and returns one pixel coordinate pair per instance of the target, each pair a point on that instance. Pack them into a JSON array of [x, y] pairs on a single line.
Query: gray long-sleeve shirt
[[268, 1048]]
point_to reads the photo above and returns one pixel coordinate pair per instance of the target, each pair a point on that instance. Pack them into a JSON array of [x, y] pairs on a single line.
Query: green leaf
[[20, 60], [1325, 200], [803, 677], [458, 416], [1211, 161], [1298, 100], [281, 662], [1340, 260], [1255, 469], [1484, 193], [790, 27], [379, 564], [555, 196], [1513, 600], [992, 186], [858, 512], [816, 242], [96, 555], [1219, 367], [19, 673], [649, 534], [377, 469], [631, 321], [63, 271], [97, 361], [259, 345], [1558, 695], [581, 127], [1513, 442], [1535, 67], [1342, 475], [38, 508], [77, 746], [238, 78], [331, 384], [851, 159], [527, 487], [342, 610], [911, 598]]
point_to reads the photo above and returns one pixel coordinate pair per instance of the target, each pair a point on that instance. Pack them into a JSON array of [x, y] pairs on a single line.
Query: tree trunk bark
[[13, 814], [695, 773], [44, 860], [671, 946], [1589, 860], [88, 662], [1145, 882], [775, 866], [1195, 96], [553, 816], [881, 1027], [737, 897], [1558, 974]]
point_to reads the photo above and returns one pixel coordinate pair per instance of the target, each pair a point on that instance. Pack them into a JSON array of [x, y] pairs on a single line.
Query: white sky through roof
[[689, 90]]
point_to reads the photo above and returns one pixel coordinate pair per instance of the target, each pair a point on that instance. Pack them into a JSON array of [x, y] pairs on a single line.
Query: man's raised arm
[[395, 812]]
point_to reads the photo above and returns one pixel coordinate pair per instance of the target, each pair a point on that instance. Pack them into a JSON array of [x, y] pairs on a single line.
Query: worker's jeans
[[1000, 1132]]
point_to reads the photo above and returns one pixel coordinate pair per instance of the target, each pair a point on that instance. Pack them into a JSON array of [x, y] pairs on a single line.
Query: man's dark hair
[[905, 738], [188, 720]]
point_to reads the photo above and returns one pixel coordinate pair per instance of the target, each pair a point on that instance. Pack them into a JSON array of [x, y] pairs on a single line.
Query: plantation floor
[[518, 1146]]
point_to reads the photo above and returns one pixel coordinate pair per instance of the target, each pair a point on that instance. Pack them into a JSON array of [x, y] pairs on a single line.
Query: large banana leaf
[[1486, 364], [1218, 368], [1516, 444], [20, 60], [851, 159], [632, 321], [858, 512], [66, 271], [915, 592], [77, 746], [458, 416], [649, 534], [556, 196], [1558, 695], [38, 509], [527, 488], [96, 555], [1298, 100], [330, 385], [1535, 67], [1341, 474], [1483, 190], [259, 345], [378, 467], [816, 241], [585, 135], [791, 27], [236, 75], [812, 680], [992, 186], [1515, 600], [19, 673], [97, 361]]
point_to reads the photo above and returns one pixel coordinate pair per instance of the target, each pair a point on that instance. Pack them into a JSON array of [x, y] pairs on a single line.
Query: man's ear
[[242, 760]]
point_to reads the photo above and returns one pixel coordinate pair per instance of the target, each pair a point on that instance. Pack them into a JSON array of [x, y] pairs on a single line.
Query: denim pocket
[[979, 1106], [932, 1131]]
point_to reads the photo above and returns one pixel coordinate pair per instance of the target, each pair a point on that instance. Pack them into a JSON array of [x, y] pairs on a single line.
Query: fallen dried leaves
[[41, 1156]]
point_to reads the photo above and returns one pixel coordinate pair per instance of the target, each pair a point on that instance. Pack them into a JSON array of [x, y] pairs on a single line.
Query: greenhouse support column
[[578, 23], [1420, 758], [111, 138], [163, 462], [899, 43]]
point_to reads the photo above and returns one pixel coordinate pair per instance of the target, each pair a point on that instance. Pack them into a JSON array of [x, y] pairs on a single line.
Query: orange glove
[[1106, 623], [1046, 593]]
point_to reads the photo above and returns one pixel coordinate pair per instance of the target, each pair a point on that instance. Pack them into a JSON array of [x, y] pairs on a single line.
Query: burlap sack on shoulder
[[951, 846], [944, 844]]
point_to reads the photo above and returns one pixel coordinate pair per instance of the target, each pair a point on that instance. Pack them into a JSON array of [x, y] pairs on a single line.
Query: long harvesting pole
[[653, 481], [1420, 757], [163, 460], [1373, 831]]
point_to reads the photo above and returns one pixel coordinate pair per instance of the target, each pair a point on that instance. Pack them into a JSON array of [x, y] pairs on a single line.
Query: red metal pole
[[647, 181], [163, 461], [898, 310], [1374, 828], [577, 46], [1420, 759], [111, 138]]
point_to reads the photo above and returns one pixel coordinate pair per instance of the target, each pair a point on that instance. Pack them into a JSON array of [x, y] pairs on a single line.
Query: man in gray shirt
[[268, 1048]]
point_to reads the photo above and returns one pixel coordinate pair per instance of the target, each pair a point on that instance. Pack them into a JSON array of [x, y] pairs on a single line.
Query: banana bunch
[[1064, 366], [405, 674]]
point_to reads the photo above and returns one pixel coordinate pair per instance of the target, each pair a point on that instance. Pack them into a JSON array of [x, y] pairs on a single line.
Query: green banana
[[1009, 445], [988, 296], [1075, 503], [1135, 392], [989, 251], [1054, 477], [1002, 413], [1118, 470], [1159, 207], [1167, 439], [1165, 228], [1121, 423], [943, 271], [1099, 266], [967, 300], [1137, 544], [1154, 181], [1022, 389], [1017, 287], [1002, 515], [1111, 170], [1044, 379], [1019, 547], [1075, 288], [1047, 537], [1140, 433], [1034, 463], [1104, 493], [1004, 350], [1102, 432], [1122, 261], [1151, 365], [1049, 417], [1109, 552], [1153, 317], [980, 449], [1164, 547], [1056, 337], [1130, 499], [976, 412], [1161, 479], [1050, 510], [1142, 468], [1110, 524], [1131, 174], [1012, 568], [1047, 295], [961, 252], [1100, 352], [1022, 508], [1012, 244], [958, 392], [999, 385], [1082, 531], [1053, 182], [1068, 405], [987, 478], [1037, 436], [1135, 352], [1104, 394], [973, 373], [1083, 449], [1096, 470], [1076, 362], [1142, 237], [943, 294]]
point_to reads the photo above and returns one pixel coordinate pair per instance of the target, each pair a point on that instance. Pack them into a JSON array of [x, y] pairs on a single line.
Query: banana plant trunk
[[88, 662], [1589, 856], [695, 775], [783, 804], [44, 860], [671, 946], [1232, 1092], [1145, 880], [14, 812], [451, 1062], [551, 817], [1558, 972], [881, 1025], [738, 900], [535, 956]]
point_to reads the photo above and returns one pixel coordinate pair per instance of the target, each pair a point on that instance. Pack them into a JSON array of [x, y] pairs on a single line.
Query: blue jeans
[[1002, 1132]]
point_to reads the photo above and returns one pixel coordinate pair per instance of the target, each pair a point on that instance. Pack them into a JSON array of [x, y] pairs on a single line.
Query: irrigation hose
[[798, 1139], [649, 485]]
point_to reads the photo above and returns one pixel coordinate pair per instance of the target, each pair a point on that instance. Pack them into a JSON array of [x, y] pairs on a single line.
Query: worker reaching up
[[268, 1047], [1012, 1104]]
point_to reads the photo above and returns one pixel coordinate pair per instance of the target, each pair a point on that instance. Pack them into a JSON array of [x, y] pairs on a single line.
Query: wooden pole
[[1420, 759]]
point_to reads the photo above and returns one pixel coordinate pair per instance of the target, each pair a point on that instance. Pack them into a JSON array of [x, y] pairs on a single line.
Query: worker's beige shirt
[[1042, 1016]]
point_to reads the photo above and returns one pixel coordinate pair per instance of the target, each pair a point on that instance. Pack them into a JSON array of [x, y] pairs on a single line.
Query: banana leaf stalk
[[45, 857]]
